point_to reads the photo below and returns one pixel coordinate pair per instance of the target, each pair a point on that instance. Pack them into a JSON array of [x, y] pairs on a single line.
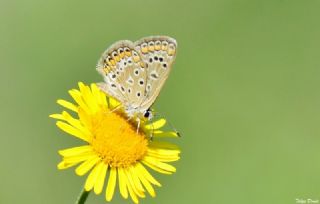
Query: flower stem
[[82, 196]]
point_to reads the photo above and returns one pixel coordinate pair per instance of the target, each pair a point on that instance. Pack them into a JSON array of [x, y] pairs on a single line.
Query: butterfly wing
[[158, 53], [124, 73]]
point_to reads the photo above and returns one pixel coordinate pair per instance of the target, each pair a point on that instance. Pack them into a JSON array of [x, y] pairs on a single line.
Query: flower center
[[116, 140]]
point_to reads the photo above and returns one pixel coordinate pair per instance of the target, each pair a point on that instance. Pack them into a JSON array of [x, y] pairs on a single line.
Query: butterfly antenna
[[169, 123], [151, 133]]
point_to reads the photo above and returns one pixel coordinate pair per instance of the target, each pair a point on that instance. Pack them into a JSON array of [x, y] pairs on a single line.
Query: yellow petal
[[75, 150], [79, 157], [83, 88], [113, 102], [122, 183], [92, 178], [83, 168], [111, 184], [72, 131], [96, 93], [132, 194], [102, 95], [88, 97], [157, 169], [101, 178], [165, 134], [67, 105], [85, 118], [152, 162], [146, 174], [164, 145], [103, 98], [57, 116], [132, 185], [71, 120], [156, 132], [164, 152], [156, 125], [75, 123], [163, 158], [145, 182], [64, 165], [135, 180], [76, 95]]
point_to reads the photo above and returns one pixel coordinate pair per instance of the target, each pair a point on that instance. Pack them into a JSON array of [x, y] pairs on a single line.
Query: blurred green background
[[244, 92]]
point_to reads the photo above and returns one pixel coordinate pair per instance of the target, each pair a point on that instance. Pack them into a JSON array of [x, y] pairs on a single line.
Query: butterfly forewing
[[124, 73]]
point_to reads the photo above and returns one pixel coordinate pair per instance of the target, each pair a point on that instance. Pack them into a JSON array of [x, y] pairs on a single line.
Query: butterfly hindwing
[[158, 52]]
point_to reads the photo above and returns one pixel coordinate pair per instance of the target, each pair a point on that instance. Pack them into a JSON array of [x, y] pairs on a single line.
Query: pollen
[[116, 140]]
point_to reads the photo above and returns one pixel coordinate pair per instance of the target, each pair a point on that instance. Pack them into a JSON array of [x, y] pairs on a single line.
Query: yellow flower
[[114, 149]]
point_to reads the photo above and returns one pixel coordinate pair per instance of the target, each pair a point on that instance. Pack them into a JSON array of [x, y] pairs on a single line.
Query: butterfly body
[[135, 72]]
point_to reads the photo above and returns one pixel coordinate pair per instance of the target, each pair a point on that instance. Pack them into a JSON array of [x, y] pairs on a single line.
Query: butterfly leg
[[138, 127], [115, 109]]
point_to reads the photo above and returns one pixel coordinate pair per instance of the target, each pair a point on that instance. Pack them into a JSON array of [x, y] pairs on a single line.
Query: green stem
[[82, 196]]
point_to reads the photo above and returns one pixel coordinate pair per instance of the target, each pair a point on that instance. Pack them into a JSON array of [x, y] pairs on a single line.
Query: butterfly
[[135, 72]]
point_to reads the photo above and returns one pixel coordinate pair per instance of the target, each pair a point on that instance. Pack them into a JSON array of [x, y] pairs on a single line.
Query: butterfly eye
[[146, 114], [151, 46], [157, 45]]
